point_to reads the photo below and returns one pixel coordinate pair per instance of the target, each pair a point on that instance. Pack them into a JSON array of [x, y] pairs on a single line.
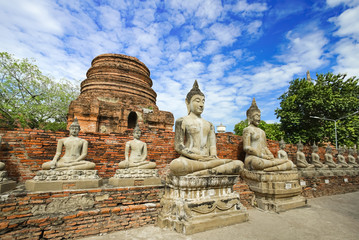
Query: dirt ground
[[331, 217]]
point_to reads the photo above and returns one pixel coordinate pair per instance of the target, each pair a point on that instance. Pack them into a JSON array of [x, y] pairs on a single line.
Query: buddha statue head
[[328, 149], [351, 151], [137, 132], [314, 147], [254, 114], [341, 150], [195, 100], [281, 144], [75, 128], [299, 145]]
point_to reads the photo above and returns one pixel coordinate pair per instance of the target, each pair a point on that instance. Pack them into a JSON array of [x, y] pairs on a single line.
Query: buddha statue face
[[74, 131], [315, 149], [196, 104], [137, 134], [255, 118]]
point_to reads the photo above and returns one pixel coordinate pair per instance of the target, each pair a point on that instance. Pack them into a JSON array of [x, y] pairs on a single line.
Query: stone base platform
[[135, 177], [275, 191], [55, 180], [5, 183], [328, 172], [194, 204]]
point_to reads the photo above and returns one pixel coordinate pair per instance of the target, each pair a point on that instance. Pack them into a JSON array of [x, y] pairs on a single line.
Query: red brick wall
[[24, 151], [23, 216]]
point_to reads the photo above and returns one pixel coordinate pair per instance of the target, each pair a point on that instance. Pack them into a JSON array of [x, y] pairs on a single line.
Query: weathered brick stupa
[[117, 95]]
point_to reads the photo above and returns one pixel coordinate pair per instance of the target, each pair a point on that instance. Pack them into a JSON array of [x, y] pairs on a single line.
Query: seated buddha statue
[[258, 156], [351, 158], [329, 158], [315, 157], [136, 153], [341, 159], [195, 140], [281, 153], [75, 152], [301, 161]]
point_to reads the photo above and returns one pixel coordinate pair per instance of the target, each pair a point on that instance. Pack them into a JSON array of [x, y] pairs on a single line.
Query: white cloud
[[244, 7], [347, 48], [333, 3]]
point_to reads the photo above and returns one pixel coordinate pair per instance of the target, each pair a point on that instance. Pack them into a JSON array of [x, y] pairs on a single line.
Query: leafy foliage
[[272, 130], [30, 99], [331, 97]]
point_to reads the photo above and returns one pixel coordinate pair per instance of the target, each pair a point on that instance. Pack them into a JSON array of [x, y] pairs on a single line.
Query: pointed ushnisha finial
[[75, 123], [253, 108], [194, 91], [309, 79], [299, 144]]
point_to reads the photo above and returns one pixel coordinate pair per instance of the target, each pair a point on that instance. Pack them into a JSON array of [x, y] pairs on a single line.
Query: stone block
[[7, 185], [275, 191], [58, 185], [194, 204], [135, 177], [55, 180]]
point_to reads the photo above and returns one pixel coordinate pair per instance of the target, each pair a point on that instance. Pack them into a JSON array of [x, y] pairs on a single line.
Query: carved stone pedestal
[[54, 180], [194, 204], [5, 183], [135, 177], [275, 191]]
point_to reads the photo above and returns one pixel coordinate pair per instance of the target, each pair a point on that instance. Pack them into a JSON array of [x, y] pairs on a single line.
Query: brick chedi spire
[[116, 96]]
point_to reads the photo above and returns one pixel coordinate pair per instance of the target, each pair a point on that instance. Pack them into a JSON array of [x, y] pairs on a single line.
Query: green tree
[[272, 130], [30, 99], [330, 96]]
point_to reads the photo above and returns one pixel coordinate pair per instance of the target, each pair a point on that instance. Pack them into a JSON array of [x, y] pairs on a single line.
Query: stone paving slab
[[327, 218]]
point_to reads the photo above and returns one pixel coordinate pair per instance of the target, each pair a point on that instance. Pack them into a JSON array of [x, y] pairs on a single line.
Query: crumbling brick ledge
[[77, 213]]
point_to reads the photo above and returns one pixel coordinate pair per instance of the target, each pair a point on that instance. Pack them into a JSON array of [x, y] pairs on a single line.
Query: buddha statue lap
[[136, 153], [258, 156], [75, 152], [195, 140], [301, 161]]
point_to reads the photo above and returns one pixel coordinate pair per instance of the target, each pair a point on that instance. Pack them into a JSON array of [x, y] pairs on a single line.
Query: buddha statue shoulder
[[136, 153], [301, 159], [258, 155], [75, 152], [195, 141]]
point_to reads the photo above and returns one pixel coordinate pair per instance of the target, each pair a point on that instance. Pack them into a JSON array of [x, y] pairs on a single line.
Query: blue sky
[[236, 50]]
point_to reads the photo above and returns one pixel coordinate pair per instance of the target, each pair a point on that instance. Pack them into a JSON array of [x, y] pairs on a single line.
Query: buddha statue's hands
[[207, 158], [53, 164]]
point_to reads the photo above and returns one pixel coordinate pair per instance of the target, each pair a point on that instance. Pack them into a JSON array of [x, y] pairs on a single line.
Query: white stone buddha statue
[[136, 153], [195, 140], [75, 152], [258, 156]]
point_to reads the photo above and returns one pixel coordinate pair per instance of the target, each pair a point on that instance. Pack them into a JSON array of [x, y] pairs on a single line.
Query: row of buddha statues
[[198, 192], [329, 161], [195, 141]]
